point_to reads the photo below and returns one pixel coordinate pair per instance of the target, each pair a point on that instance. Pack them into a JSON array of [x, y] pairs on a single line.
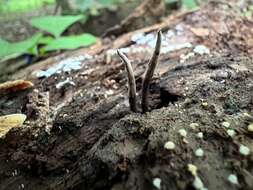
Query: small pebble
[[157, 183], [194, 125], [199, 152], [200, 135], [233, 179], [192, 169], [231, 132], [250, 127], [225, 124], [182, 132], [169, 145], [244, 150]]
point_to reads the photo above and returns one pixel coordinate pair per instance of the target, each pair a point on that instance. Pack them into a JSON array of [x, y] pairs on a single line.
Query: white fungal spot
[[174, 47], [109, 92], [184, 57], [182, 132], [250, 127], [169, 145], [245, 114], [192, 169], [150, 41], [170, 34], [201, 49], [179, 28], [157, 183], [244, 150], [64, 83], [233, 179], [67, 65], [137, 37], [204, 104], [194, 125], [225, 124], [199, 152], [200, 135], [22, 186], [231, 132]]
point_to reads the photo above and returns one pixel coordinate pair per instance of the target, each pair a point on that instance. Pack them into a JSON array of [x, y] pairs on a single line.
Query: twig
[[131, 82], [149, 72]]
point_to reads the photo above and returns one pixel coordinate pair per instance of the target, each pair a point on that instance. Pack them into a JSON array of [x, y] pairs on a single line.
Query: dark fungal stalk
[[131, 82], [149, 72]]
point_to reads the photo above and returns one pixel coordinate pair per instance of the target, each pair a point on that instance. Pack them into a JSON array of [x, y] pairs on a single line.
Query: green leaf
[[45, 40], [18, 48], [189, 4], [4, 48], [109, 3], [71, 42], [55, 25]]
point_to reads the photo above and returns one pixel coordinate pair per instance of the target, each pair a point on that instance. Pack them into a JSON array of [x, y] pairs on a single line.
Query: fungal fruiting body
[[147, 77], [131, 82], [149, 72]]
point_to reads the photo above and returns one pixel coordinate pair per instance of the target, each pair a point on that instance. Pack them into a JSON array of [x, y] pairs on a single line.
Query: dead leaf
[[200, 32], [17, 85], [7, 122]]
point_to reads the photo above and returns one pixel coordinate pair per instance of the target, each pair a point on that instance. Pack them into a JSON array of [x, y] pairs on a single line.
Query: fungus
[[225, 124], [233, 179], [157, 183], [244, 150], [199, 152], [250, 127], [200, 135], [182, 132], [131, 82], [192, 169], [150, 71], [169, 145], [194, 125], [147, 77], [231, 132]]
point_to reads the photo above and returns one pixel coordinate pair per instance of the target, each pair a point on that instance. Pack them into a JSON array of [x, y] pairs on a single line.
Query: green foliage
[[55, 25], [18, 48], [248, 12], [45, 40], [70, 42], [93, 6], [40, 44], [21, 5], [189, 4]]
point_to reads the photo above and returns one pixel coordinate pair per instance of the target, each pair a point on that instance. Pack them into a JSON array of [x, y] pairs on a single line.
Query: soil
[[85, 136]]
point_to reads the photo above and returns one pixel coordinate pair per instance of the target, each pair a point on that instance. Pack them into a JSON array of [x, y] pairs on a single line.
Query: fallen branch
[[149, 72], [131, 82]]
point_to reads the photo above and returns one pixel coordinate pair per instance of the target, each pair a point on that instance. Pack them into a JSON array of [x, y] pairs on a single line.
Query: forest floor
[[80, 133]]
